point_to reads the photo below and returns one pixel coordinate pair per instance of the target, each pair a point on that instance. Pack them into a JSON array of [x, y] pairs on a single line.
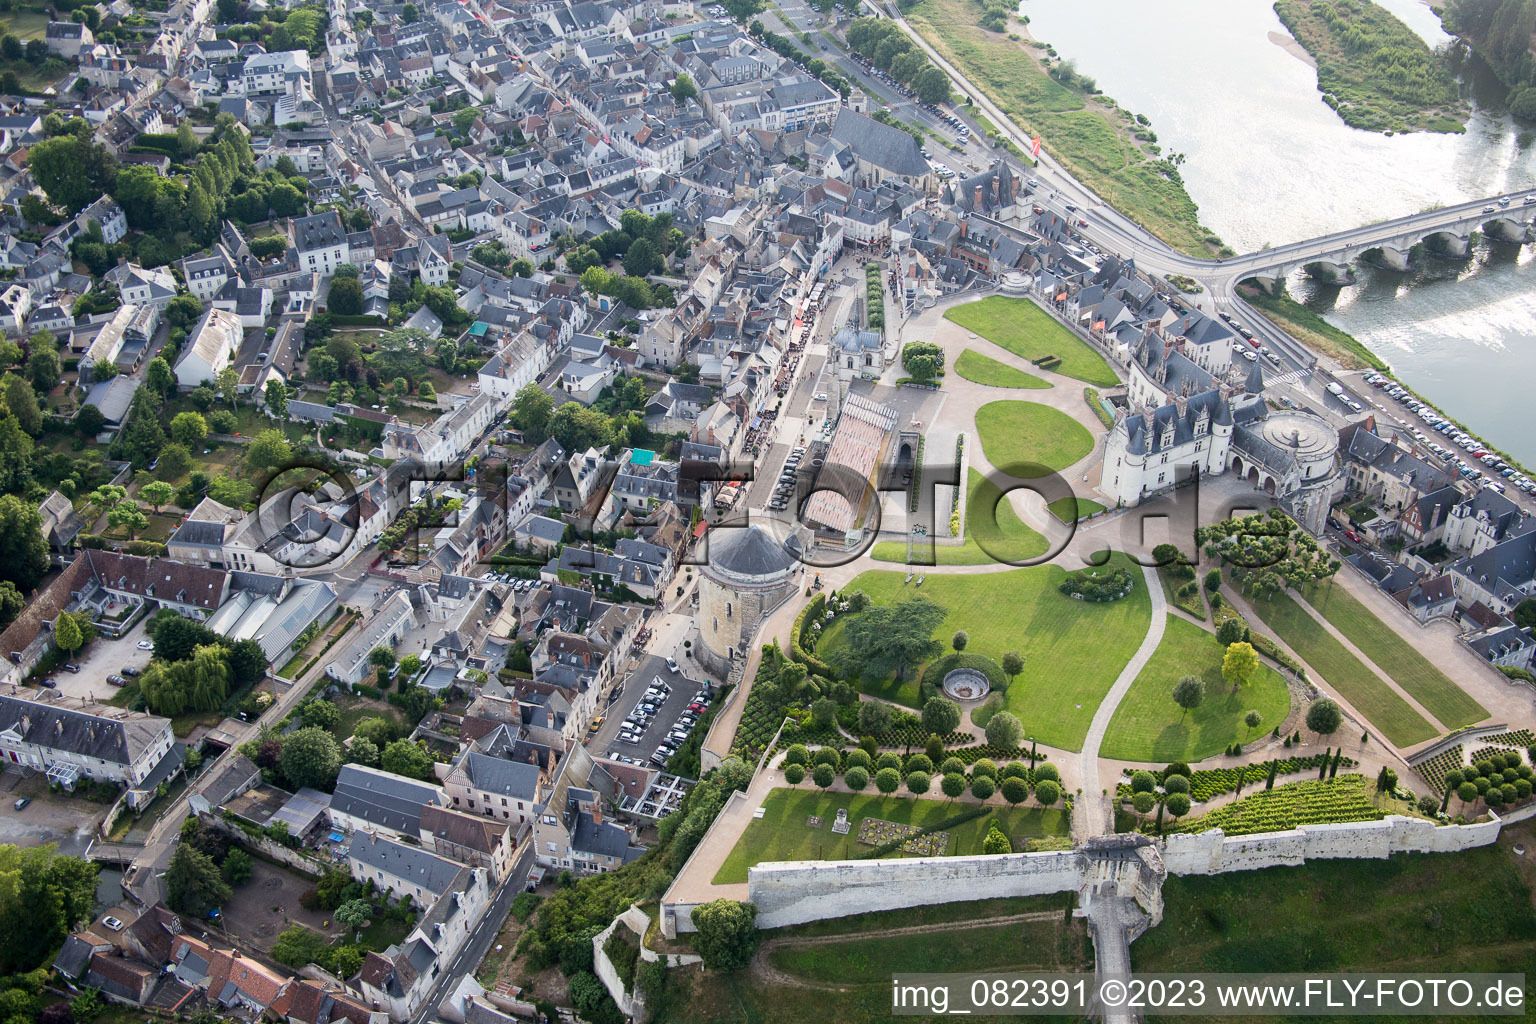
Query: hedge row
[[811, 613]]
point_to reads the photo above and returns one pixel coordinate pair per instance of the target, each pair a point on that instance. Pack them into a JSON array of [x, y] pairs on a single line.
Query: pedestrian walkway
[[1091, 815]]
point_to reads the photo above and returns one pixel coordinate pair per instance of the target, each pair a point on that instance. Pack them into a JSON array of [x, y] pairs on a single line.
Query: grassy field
[[25, 25], [782, 833], [1073, 650], [1382, 75], [974, 366], [846, 975], [1373, 698], [1018, 435], [1306, 326], [1095, 142], [993, 532], [1447, 912], [1397, 657], [1149, 726], [1026, 330]]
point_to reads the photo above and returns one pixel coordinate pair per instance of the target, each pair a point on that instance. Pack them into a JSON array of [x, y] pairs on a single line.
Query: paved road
[[485, 933]]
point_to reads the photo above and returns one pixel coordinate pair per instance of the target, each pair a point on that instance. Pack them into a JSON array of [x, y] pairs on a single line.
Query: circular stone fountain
[[966, 684]]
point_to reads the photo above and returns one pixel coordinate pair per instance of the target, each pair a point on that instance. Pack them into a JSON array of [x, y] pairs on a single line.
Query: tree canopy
[[888, 638]]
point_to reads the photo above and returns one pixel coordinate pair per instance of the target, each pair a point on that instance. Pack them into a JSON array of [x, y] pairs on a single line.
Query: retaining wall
[[795, 892], [798, 891], [1212, 853]]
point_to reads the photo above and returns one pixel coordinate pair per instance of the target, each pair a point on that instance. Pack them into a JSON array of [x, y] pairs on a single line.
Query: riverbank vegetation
[[1500, 31], [1307, 327], [1372, 69], [1109, 149]]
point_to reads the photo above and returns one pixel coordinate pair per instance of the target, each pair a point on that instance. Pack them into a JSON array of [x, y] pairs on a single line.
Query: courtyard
[[980, 369], [1026, 330]]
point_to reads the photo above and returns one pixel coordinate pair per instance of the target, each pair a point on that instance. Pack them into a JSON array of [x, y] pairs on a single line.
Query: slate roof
[[508, 778], [412, 863], [748, 552], [385, 799], [890, 149], [117, 740]]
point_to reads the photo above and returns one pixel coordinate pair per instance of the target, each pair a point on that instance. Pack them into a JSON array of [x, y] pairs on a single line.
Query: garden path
[[1092, 815]]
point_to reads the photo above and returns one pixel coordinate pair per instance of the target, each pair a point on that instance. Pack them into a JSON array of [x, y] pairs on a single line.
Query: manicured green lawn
[[1359, 685], [1073, 650], [1025, 329], [1065, 508], [782, 834], [993, 532], [1397, 657], [1027, 434], [974, 366], [1411, 912], [1149, 726]]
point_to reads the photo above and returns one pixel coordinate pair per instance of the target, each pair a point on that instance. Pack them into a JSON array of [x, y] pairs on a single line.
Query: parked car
[[672, 664], [145, 645], [130, 671], [21, 804], [116, 680], [70, 666], [112, 923]]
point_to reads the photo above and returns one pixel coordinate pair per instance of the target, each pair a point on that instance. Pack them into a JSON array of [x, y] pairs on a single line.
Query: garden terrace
[[1374, 699], [1206, 783], [1312, 802], [1149, 726], [1073, 650], [1394, 655], [1026, 330], [1027, 439], [782, 833], [1434, 769]]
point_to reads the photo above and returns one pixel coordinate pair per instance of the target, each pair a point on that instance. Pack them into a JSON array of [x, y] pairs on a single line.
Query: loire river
[[1269, 163]]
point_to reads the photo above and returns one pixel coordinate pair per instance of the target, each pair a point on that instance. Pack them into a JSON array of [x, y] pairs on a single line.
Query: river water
[[1268, 162]]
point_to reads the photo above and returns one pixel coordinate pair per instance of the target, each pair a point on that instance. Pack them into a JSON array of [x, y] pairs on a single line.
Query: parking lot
[[102, 658], [607, 742]]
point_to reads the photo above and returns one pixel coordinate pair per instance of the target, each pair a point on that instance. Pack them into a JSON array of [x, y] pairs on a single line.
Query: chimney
[[597, 812]]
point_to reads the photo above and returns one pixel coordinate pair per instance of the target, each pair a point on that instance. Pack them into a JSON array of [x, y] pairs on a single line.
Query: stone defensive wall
[[795, 892]]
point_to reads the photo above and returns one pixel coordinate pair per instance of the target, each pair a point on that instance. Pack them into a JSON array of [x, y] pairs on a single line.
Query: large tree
[[73, 170], [269, 450], [189, 428], [193, 883], [1239, 663], [16, 455], [310, 757], [727, 936], [888, 638], [23, 551], [403, 757], [43, 896], [1005, 730], [941, 716], [20, 400]]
